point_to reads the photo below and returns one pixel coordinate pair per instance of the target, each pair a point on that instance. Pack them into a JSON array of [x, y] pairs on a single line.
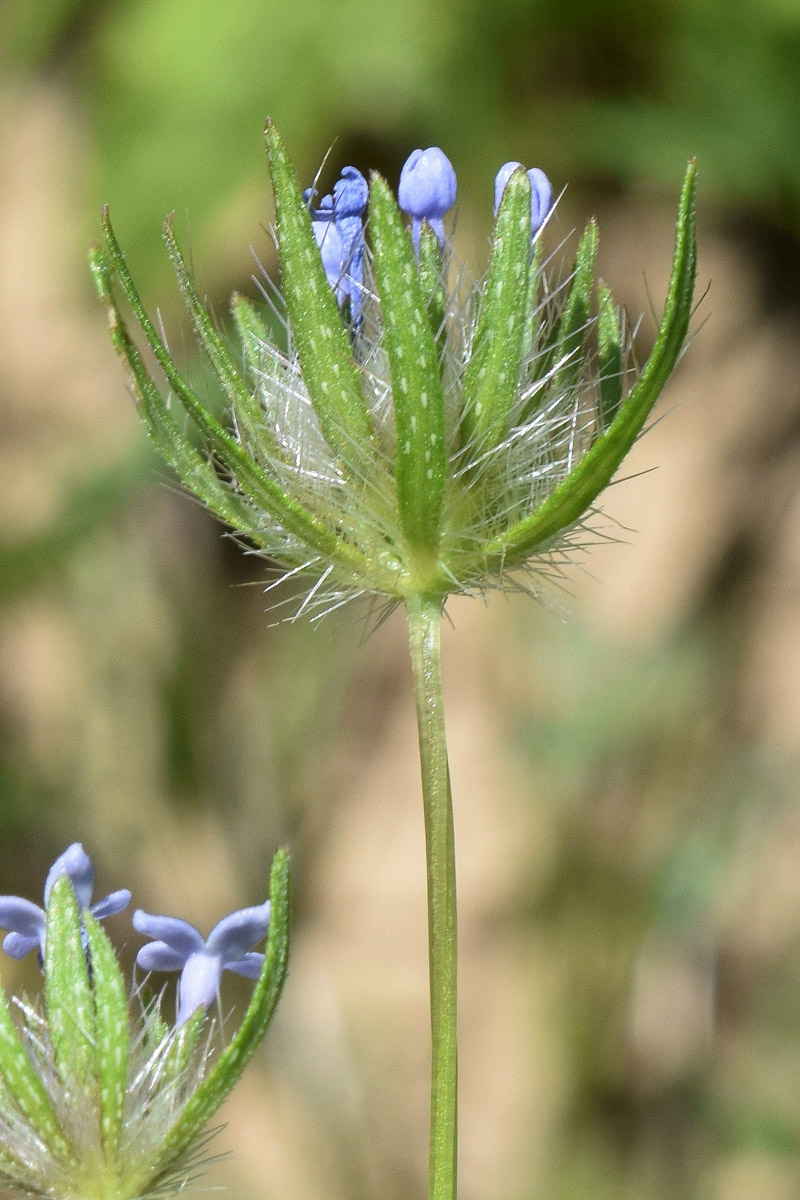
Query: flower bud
[[427, 190], [541, 192]]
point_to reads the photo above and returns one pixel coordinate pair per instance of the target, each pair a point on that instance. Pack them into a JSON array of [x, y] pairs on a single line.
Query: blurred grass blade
[[33, 560]]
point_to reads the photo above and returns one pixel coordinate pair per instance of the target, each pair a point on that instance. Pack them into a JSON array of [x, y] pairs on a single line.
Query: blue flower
[[541, 192], [27, 921], [427, 190], [338, 226], [350, 196], [178, 946]]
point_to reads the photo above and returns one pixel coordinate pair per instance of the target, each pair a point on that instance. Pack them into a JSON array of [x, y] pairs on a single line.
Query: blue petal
[[239, 932], [76, 864], [22, 916], [249, 966], [331, 251], [113, 903], [158, 956], [17, 946], [351, 231], [199, 984], [541, 197], [350, 194], [179, 935]]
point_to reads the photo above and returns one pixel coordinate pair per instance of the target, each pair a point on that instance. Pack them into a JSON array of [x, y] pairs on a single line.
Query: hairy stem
[[424, 623]]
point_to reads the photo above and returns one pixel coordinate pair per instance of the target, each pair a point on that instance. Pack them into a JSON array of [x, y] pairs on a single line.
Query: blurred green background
[[624, 757]]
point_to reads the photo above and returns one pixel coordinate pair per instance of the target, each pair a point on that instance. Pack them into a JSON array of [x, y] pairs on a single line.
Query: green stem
[[424, 624]]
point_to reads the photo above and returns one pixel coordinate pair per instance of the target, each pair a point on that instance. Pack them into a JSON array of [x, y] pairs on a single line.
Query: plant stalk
[[424, 624]]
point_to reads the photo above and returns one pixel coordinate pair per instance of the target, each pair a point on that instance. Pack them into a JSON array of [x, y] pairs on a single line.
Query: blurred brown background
[[624, 758]]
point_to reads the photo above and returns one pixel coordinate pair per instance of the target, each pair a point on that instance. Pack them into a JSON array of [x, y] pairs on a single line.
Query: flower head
[[178, 946], [27, 921], [96, 1105], [437, 438], [427, 190], [541, 192]]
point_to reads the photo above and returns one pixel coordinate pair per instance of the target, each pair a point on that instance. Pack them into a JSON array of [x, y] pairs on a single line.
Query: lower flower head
[[95, 1105]]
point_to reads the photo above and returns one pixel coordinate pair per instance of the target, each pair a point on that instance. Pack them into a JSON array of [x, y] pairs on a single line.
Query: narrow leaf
[[564, 356], [230, 1064], [582, 487], [574, 319], [155, 1027], [323, 343], [193, 469], [113, 1034], [257, 486], [416, 385], [609, 346], [490, 385], [432, 283], [25, 1085], [252, 330], [68, 993], [256, 340], [236, 390], [532, 307], [172, 1052]]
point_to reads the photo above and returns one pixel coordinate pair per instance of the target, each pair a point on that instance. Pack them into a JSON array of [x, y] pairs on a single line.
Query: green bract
[[446, 438], [96, 1106]]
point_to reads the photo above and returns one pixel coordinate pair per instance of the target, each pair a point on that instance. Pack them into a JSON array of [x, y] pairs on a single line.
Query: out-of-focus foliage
[[627, 805]]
